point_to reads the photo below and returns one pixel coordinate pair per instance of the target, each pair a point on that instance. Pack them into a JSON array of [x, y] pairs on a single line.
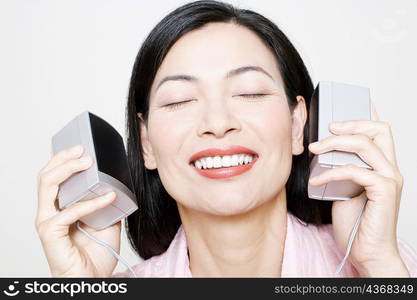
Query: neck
[[244, 245]]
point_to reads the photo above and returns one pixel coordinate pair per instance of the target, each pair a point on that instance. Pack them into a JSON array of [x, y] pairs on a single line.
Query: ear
[[299, 118], [148, 154]]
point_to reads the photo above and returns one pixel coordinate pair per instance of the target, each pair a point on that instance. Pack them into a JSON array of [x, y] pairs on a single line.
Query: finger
[[374, 183], [386, 143], [73, 213], [374, 113], [378, 131], [49, 184], [62, 156], [359, 144]]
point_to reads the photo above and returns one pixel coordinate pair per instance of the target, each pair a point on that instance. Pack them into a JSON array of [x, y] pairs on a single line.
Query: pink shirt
[[310, 251]]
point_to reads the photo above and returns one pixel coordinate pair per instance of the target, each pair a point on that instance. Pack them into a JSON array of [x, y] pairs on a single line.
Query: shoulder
[[317, 250], [325, 256], [147, 268], [407, 253]]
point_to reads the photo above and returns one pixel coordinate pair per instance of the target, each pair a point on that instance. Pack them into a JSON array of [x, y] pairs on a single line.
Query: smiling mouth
[[224, 161], [220, 167]]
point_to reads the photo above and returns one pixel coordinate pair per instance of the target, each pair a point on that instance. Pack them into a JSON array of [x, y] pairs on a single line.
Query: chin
[[230, 206]]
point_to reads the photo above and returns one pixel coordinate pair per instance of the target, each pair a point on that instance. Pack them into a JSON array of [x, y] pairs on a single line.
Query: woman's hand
[[374, 251], [69, 252]]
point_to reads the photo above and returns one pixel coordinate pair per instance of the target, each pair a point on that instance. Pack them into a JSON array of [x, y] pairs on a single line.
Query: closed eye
[[172, 106], [252, 95], [175, 105]]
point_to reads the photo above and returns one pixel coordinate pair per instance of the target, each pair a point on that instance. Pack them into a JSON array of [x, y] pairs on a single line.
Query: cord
[[351, 238], [339, 268], [108, 247]]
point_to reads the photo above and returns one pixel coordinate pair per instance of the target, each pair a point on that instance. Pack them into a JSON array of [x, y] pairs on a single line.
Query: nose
[[218, 119]]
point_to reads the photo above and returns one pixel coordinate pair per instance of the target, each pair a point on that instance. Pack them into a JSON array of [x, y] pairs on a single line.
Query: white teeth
[[226, 160], [217, 162], [241, 159], [209, 162], [246, 159], [198, 164], [235, 160], [223, 161], [203, 161]]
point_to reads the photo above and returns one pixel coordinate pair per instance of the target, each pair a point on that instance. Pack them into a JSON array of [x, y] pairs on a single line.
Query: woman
[[217, 144]]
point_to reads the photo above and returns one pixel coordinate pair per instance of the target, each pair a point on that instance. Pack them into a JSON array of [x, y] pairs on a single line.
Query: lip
[[224, 172]]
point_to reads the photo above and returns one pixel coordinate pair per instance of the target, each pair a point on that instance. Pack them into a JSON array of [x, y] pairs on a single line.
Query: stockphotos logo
[[70, 289], [11, 289]]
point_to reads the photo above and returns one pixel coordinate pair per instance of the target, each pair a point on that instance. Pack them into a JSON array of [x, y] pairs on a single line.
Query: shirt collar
[[177, 262]]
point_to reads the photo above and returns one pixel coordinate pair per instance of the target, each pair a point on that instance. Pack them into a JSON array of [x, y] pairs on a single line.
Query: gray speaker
[[332, 101], [109, 171]]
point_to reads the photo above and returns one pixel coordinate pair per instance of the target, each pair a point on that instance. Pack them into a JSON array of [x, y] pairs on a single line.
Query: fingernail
[[77, 149], [85, 160], [313, 180], [106, 197], [336, 124], [109, 195], [315, 144]]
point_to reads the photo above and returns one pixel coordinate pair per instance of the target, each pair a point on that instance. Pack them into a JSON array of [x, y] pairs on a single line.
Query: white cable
[[351, 238], [108, 247], [339, 268]]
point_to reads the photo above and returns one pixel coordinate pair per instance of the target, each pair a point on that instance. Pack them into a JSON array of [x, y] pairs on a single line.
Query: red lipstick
[[224, 172]]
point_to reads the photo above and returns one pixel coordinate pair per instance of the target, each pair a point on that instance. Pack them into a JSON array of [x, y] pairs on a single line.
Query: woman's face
[[213, 71]]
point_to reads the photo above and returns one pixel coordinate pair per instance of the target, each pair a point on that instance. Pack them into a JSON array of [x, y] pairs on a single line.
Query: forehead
[[212, 50]]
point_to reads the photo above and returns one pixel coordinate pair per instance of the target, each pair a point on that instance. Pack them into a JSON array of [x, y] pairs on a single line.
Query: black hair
[[152, 227]]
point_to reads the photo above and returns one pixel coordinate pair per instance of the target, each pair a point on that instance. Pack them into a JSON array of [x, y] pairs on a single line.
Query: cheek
[[266, 125], [167, 136], [273, 131], [272, 123]]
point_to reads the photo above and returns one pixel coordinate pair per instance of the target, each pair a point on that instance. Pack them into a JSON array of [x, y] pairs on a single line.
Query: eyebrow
[[231, 73]]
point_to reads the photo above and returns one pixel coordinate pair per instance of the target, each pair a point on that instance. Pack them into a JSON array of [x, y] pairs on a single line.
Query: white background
[[58, 58]]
